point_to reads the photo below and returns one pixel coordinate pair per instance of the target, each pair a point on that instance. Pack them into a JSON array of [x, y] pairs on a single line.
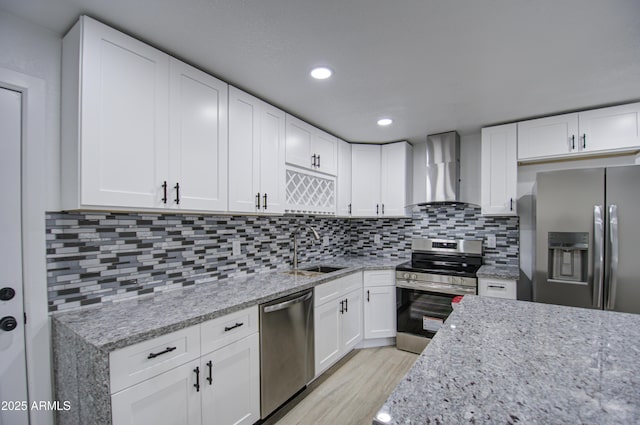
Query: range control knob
[[414, 276], [7, 293], [8, 323], [406, 275]]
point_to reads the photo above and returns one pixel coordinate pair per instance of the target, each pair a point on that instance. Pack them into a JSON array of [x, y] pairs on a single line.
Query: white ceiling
[[431, 65]]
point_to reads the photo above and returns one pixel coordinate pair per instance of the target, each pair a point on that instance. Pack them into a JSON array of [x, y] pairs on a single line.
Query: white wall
[[526, 204], [36, 51]]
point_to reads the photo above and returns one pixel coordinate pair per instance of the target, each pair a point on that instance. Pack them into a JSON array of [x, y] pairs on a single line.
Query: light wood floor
[[353, 393]]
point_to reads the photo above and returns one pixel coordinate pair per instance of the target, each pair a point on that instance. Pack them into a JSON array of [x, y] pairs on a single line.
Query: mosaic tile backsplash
[[101, 257]]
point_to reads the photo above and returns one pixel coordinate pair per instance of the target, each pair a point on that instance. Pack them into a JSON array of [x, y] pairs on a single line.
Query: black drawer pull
[[177, 188], [346, 305], [228, 328], [164, 191], [167, 350], [210, 366]]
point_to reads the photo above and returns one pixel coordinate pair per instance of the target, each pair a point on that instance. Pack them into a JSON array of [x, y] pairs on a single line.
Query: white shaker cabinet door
[[548, 137], [271, 138], [327, 334], [365, 180], [244, 173], [499, 174], [325, 147], [344, 179], [170, 398], [124, 114], [299, 141], [395, 182], [610, 129], [352, 320], [379, 312], [198, 140], [231, 384]]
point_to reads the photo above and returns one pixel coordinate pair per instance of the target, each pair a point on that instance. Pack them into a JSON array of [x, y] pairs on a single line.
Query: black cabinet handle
[[313, 160], [573, 141], [511, 204], [177, 188], [228, 328], [584, 141], [346, 305], [368, 298], [197, 384], [349, 208], [382, 209], [341, 306], [318, 161], [264, 198], [164, 190], [377, 209], [258, 200], [154, 355], [210, 366]]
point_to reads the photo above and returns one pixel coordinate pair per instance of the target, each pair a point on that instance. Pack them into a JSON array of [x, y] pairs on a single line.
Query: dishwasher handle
[[287, 304]]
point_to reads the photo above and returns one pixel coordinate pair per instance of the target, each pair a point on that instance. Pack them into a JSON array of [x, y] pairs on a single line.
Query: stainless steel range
[[439, 271]]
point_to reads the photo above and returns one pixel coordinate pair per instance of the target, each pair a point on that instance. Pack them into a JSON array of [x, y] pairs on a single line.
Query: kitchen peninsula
[[514, 362]]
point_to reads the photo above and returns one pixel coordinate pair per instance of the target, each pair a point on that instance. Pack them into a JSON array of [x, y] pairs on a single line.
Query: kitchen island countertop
[[502, 361]]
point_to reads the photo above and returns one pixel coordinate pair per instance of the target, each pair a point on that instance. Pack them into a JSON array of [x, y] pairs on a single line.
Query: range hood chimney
[[437, 170]]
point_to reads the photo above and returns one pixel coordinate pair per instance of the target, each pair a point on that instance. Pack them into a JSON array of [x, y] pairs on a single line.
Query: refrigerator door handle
[[614, 257], [598, 256]]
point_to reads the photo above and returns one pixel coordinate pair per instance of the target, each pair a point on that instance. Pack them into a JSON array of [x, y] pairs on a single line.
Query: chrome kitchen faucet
[[295, 242]]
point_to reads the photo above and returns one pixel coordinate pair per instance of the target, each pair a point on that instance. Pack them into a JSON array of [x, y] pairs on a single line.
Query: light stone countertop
[[502, 361], [499, 272]]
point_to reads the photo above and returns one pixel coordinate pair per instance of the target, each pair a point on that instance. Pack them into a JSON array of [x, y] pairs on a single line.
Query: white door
[[198, 140], [299, 140], [125, 88], [167, 399], [325, 147], [327, 325], [499, 171], [13, 371], [603, 129], [231, 384], [272, 158], [548, 137], [365, 180], [352, 320], [379, 312], [393, 183]]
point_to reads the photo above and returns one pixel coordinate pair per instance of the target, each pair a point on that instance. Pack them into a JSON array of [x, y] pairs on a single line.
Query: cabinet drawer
[[335, 288], [379, 278], [147, 359], [232, 327], [497, 288]]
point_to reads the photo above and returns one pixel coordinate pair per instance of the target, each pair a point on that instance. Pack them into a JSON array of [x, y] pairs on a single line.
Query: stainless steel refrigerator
[[588, 238]]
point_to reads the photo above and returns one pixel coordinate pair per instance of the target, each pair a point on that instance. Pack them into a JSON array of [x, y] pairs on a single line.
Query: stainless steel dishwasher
[[286, 349]]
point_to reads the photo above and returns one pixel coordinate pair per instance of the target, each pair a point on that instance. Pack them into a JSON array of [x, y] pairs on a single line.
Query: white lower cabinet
[[221, 387], [167, 399], [337, 319], [379, 304]]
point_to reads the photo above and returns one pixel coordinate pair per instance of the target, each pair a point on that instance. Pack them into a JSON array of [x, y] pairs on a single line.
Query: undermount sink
[[313, 271]]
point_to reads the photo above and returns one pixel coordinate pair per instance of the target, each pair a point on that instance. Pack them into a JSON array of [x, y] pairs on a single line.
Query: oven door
[[422, 313]]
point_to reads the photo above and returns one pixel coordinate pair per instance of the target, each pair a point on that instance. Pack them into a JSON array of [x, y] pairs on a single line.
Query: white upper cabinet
[[310, 148], [115, 119], [140, 130], [499, 174], [548, 137], [380, 179], [599, 131], [344, 179], [198, 139], [256, 155]]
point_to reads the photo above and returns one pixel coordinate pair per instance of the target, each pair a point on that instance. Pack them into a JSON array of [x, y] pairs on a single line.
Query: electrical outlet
[[235, 248], [377, 239], [491, 241], [325, 240]]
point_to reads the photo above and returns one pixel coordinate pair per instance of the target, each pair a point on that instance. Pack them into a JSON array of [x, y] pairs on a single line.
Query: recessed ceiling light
[[384, 121], [321, 73]]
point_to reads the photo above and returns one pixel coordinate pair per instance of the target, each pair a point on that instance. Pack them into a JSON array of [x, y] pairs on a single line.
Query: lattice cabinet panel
[[310, 194]]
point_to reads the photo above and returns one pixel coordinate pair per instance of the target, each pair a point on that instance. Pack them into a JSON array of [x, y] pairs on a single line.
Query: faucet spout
[[316, 236]]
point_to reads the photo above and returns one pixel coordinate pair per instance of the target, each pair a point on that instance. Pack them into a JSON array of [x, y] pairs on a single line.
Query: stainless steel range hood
[[436, 167]]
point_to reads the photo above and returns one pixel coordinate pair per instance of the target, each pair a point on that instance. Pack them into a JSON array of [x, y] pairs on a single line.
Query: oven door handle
[[437, 287]]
